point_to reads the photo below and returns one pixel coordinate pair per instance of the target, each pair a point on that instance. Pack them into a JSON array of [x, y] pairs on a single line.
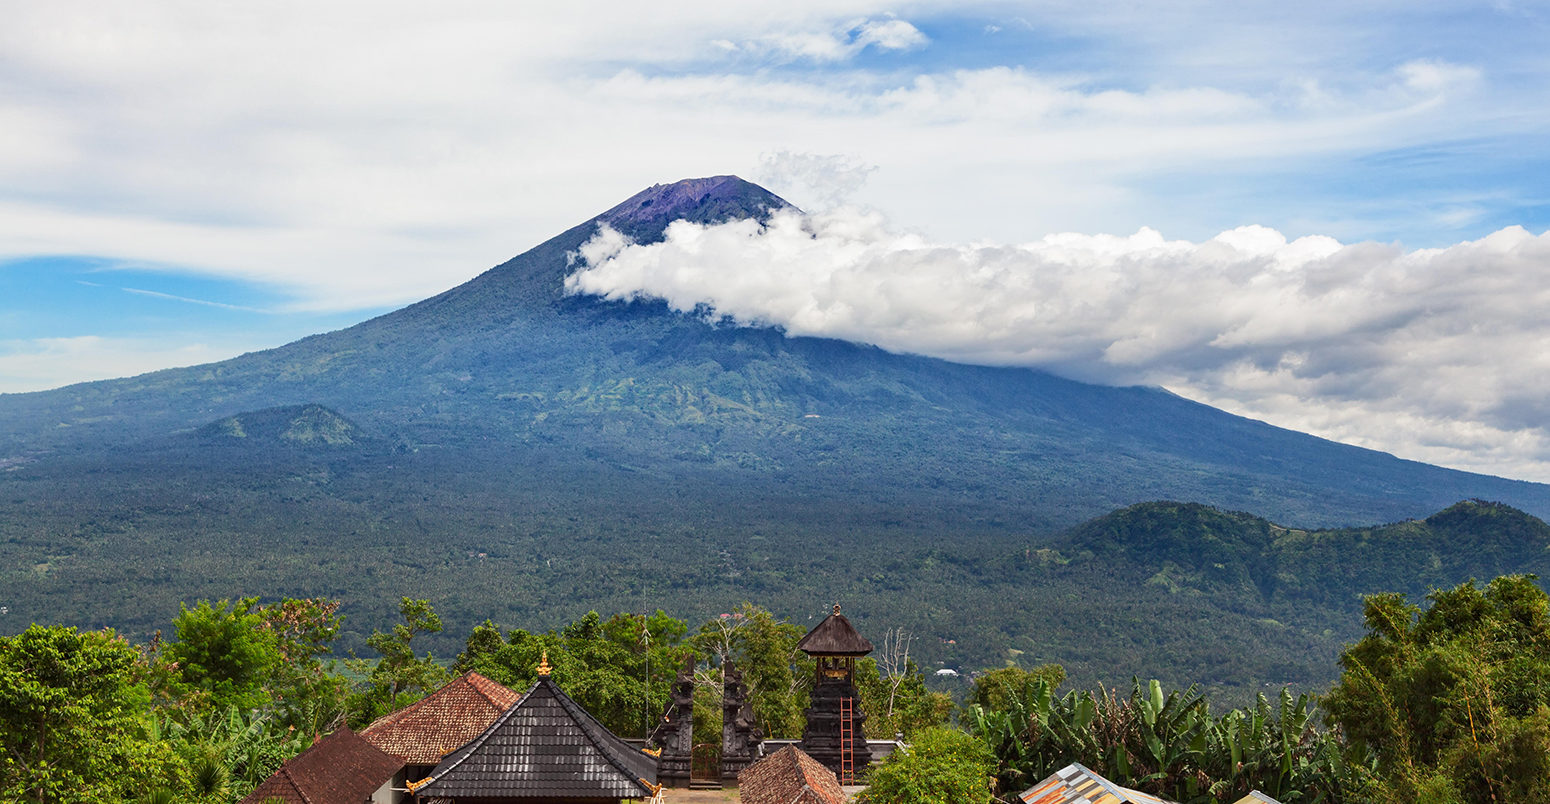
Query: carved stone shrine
[[674, 733], [741, 738]]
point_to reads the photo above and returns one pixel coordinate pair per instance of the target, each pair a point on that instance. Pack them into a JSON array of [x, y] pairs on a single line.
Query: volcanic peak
[[713, 199]]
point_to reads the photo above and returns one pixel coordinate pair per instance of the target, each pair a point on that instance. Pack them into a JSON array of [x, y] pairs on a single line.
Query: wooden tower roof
[[835, 636]]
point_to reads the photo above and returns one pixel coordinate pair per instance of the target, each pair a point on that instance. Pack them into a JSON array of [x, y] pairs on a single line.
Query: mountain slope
[[526, 454]]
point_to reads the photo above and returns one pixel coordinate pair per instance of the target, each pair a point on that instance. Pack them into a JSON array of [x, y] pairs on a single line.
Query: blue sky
[[185, 182]]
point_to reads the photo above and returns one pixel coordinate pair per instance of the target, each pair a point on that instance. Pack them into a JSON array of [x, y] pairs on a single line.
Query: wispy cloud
[[171, 297], [1436, 354]]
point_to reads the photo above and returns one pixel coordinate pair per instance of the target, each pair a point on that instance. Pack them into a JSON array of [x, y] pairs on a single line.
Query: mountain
[[509, 451]]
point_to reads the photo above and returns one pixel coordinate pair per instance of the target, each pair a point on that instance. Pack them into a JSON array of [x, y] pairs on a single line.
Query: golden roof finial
[[836, 608], [543, 664]]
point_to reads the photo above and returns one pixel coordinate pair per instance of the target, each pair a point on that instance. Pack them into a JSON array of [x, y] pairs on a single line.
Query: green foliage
[[1452, 699], [618, 669], [764, 650], [401, 676], [899, 703], [997, 689], [940, 766], [225, 650], [74, 718], [229, 752], [1165, 744]]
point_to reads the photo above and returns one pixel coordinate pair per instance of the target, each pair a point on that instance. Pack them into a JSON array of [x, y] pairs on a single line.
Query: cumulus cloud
[[1436, 354]]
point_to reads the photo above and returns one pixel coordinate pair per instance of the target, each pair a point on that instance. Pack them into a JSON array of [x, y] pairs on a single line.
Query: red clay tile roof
[[442, 722], [789, 776], [341, 768], [835, 636]]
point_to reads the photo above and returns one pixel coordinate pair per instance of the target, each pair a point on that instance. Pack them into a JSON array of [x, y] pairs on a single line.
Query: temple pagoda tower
[[834, 734]]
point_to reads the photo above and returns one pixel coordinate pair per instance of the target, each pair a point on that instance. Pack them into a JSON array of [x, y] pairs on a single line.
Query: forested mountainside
[[509, 451]]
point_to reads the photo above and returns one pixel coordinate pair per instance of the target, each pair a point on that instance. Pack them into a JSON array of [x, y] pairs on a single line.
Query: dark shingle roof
[[544, 746], [341, 768], [835, 636], [789, 776], [442, 722]]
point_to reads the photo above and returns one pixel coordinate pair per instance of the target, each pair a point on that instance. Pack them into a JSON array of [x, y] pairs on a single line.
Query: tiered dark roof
[[789, 776], [544, 746], [835, 636], [341, 768], [1075, 784], [442, 722]]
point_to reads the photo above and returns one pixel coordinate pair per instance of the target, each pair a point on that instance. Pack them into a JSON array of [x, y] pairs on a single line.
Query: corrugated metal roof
[[1075, 784], [789, 776], [442, 722], [341, 768], [1256, 797], [545, 745]]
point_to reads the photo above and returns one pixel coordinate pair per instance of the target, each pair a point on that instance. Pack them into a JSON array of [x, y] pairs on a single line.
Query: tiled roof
[[442, 722], [835, 636], [789, 776], [341, 768], [1257, 797], [544, 746], [1075, 784]]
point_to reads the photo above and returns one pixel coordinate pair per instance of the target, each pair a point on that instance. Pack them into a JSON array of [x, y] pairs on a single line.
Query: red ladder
[[847, 744]]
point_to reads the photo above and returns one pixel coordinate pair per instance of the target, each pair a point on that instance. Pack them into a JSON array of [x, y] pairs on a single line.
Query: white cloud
[[844, 42], [1436, 354]]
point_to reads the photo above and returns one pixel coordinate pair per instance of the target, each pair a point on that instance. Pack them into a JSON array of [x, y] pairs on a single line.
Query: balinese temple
[[545, 748], [789, 776], [341, 768], [423, 732], [835, 733]]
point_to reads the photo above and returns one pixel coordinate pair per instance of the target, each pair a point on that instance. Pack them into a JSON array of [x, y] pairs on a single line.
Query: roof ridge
[[468, 679], [587, 724], [468, 748], [295, 785]]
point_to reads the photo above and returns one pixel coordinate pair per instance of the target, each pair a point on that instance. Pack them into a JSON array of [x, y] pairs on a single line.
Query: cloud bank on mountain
[[1437, 354]]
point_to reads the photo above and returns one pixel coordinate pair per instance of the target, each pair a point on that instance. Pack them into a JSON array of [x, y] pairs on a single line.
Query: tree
[[997, 689], [940, 766], [401, 676], [618, 669], [74, 719], [225, 650], [305, 693], [898, 702], [1450, 700], [778, 675]]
